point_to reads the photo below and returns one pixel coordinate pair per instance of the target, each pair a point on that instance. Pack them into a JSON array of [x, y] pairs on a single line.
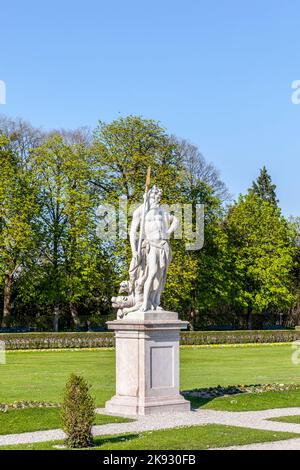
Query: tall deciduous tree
[[70, 249], [203, 285], [198, 169], [126, 147], [262, 254], [17, 210]]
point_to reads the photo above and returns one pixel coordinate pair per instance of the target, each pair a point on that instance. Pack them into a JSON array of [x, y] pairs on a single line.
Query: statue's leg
[[161, 287], [153, 267], [163, 277]]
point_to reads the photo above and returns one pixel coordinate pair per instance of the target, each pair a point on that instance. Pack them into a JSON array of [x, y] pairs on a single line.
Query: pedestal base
[[147, 364], [130, 406]]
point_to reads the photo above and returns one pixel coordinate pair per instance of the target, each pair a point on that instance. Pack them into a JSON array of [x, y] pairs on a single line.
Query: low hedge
[[238, 337], [15, 341]]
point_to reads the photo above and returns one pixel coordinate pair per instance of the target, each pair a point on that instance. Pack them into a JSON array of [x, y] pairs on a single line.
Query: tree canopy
[[55, 272], [264, 188]]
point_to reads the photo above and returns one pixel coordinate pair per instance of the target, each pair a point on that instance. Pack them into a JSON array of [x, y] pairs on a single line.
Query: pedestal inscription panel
[[161, 366]]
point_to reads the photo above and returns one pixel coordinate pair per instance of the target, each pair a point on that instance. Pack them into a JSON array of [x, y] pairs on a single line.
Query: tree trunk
[[193, 318], [8, 282], [74, 313], [250, 318], [56, 318]]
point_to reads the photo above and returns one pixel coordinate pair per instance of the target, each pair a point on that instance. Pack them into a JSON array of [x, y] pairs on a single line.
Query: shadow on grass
[[198, 397], [98, 441], [198, 402]]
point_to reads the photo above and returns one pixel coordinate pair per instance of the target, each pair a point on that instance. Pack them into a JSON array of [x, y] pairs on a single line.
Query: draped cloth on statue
[[163, 253]]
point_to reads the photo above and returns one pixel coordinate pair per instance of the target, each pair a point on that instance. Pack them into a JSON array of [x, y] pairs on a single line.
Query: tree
[[17, 210], [264, 188], [203, 285], [70, 251], [198, 169], [294, 226], [123, 150], [126, 147], [23, 137], [262, 254]]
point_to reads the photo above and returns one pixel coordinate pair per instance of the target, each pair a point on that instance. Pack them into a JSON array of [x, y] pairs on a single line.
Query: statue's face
[[155, 197]]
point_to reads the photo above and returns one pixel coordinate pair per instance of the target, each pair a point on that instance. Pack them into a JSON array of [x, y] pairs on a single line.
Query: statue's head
[[155, 195]]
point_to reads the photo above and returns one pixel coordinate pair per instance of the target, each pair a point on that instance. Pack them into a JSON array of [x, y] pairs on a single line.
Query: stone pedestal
[[147, 364]]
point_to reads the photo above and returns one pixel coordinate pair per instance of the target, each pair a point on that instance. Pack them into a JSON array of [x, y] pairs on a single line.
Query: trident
[[148, 178]]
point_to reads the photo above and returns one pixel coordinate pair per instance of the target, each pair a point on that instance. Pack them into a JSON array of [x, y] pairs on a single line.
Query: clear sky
[[217, 73]]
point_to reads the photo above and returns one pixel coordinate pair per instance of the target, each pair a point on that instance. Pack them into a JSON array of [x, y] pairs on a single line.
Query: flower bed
[[20, 405], [219, 391]]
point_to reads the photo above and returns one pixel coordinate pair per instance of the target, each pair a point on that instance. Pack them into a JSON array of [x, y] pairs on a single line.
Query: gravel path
[[249, 419], [289, 444]]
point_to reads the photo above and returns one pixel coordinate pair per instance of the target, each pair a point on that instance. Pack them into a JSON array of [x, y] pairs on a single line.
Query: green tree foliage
[[203, 281], [71, 265], [262, 254], [294, 226], [17, 209], [126, 147], [264, 188], [53, 265]]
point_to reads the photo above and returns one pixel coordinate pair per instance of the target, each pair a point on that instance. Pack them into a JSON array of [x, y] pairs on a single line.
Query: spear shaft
[[148, 179]]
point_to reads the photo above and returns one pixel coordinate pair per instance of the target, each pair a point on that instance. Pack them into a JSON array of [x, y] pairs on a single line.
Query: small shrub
[[78, 413]]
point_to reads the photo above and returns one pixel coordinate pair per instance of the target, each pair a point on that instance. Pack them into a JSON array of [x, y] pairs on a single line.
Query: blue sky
[[216, 73]]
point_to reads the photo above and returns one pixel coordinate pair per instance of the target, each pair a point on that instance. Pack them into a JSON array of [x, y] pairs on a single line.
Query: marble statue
[[150, 233], [147, 338]]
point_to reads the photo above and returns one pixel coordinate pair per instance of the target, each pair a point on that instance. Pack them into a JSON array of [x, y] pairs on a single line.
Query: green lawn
[[38, 419], [41, 375], [288, 419], [187, 438], [251, 401]]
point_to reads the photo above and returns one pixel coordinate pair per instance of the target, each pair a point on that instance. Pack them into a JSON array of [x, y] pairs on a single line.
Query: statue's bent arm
[[174, 224]]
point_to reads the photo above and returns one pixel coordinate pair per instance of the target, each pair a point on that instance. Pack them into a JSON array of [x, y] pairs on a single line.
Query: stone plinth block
[[147, 364]]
